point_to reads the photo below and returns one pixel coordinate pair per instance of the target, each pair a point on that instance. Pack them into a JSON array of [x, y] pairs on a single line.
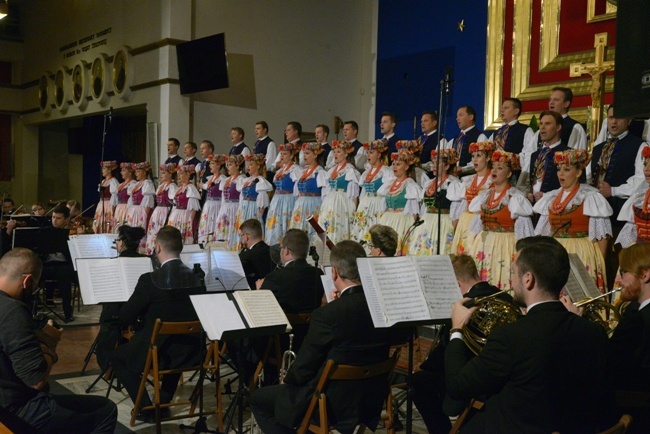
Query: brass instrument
[[491, 314], [287, 359], [600, 311]]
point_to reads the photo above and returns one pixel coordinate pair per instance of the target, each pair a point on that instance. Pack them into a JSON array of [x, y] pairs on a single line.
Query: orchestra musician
[[108, 198], [525, 368]]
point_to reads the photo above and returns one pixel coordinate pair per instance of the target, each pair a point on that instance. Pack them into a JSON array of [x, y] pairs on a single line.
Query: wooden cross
[[597, 70]]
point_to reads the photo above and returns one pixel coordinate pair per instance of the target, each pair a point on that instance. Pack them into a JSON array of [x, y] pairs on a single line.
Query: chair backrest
[[161, 328], [298, 318], [621, 427]]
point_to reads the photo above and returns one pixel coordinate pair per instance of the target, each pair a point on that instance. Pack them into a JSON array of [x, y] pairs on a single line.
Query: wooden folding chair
[[336, 372], [621, 427], [152, 369], [473, 407]]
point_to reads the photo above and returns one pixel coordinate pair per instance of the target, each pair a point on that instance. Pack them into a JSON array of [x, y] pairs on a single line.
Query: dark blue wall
[[417, 40]]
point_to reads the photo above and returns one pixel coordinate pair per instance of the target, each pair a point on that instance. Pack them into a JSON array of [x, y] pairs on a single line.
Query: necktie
[[540, 164], [502, 136], [256, 145], [605, 157], [460, 141]]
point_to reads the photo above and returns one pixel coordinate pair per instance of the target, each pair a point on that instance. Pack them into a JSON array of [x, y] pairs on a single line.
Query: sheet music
[[192, 248], [110, 280], [92, 246], [439, 284], [202, 258], [261, 309], [580, 284], [217, 314], [228, 268], [372, 293], [400, 289], [328, 283]]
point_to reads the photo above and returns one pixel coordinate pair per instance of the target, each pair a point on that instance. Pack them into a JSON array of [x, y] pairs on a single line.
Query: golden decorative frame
[[610, 12], [549, 59]]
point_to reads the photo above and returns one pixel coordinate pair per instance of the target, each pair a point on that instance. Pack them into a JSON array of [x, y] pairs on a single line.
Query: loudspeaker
[[202, 64], [632, 72]]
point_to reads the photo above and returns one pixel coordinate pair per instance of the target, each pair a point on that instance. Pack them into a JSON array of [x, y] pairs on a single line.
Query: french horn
[[600, 312]]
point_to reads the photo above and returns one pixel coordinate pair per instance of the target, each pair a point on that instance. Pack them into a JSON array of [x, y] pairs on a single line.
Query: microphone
[[448, 80]]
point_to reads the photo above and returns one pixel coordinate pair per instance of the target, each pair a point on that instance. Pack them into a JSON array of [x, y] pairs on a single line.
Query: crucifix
[[597, 70]]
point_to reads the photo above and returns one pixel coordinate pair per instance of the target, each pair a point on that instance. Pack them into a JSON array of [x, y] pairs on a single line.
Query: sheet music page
[[372, 293], [74, 254], [439, 284], [580, 284], [203, 258], [328, 283], [132, 269], [400, 290], [228, 268], [217, 314], [95, 245], [99, 281], [261, 309], [192, 248]]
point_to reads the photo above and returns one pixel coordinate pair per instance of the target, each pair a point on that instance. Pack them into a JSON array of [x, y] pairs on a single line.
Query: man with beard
[[524, 369]]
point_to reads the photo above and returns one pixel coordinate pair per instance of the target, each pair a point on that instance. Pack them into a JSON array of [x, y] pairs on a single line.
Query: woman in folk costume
[[402, 197], [309, 185], [164, 202], [230, 199], [636, 210], [141, 197], [284, 199], [340, 195], [472, 186], [255, 196], [443, 193], [504, 218], [208, 220], [371, 206], [121, 210], [415, 148], [108, 198], [577, 215], [186, 205]]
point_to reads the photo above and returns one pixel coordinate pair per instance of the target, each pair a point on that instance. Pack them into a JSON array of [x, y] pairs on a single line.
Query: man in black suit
[[542, 176], [469, 133], [237, 140], [429, 140], [297, 285], [342, 331], [255, 257], [387, 128], [429, 383], [350, 132], [543, 373], [163, 293]]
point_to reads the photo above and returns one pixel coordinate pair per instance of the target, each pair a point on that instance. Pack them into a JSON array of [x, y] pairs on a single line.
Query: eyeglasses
[[621, 272]]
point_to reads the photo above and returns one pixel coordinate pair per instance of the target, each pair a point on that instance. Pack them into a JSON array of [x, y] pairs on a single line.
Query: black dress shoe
[[69, 319], [149, 416]]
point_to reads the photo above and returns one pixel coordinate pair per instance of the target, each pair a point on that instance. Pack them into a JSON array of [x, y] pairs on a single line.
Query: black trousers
[[62, 272], [130, 377], [70, 413], [262, 403]]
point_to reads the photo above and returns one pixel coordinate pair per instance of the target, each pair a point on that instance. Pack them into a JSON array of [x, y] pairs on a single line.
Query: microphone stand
[[445, 90], [105, 131]]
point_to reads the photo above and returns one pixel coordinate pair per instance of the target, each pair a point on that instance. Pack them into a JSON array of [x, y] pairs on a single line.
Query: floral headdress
[[258, 159], [510, 158], [415, 146], [315, 147], [292, 148], [169, 167], [449, 156], [380, 145], [219, 159], [109, 164], [128, 166], [574, 157], [481, 146], [237, 159], [645, 153], [348, 147], [145, 165], [404, 155], [187, 168]]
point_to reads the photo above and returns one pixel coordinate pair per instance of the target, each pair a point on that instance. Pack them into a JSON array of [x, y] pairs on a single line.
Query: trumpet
[[287, 359], [491, 314], [600, 311]]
